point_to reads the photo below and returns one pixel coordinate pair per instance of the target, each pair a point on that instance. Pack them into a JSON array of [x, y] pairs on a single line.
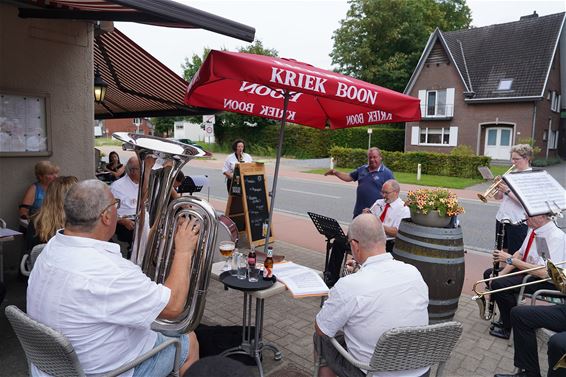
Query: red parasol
[[256, 85], [288, 90]]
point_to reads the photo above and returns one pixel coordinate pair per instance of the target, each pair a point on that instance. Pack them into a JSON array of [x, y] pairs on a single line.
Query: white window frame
[[448, 105], [451, 132], [555, 101], [505, 84]]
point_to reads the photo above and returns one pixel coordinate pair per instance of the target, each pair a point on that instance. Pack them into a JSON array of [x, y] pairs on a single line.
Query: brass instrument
[[156, 222], [491, 190], [560, 363], [556, 275]]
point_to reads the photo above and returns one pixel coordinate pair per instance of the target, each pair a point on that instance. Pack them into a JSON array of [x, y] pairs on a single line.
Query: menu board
[[249, 209], [23, 124], [256, 203]]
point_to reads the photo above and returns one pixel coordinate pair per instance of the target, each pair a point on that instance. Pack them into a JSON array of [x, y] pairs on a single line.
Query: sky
[[298, 29]]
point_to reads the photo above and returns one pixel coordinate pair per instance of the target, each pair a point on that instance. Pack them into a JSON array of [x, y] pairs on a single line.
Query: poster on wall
[[23, 126]]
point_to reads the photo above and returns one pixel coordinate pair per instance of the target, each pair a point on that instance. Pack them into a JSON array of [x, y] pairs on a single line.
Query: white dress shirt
[[555, 241], [382, 295], [103, 303], [232, 160], [396, 212], [127, 191]]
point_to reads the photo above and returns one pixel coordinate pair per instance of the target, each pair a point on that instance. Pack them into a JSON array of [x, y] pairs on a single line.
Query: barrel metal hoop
[[429, 232], [443, 314], [427, 245], [422, 258], [444, 302]]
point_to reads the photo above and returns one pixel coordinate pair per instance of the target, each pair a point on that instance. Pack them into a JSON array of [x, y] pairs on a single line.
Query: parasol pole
[[277, 162]]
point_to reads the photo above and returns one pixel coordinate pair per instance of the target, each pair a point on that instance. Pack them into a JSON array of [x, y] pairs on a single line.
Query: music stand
[[188, 185], [330, 229]]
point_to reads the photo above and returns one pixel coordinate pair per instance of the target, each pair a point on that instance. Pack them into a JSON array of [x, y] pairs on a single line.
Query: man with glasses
[[104, 304], [390, 210], [126, 189], [370, 178], [382, 295]]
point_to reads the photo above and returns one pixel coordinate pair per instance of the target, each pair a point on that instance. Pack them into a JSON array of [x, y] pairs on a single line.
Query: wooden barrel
[[438, 253]]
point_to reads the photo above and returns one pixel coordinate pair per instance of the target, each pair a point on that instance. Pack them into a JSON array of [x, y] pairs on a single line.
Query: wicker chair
[[408, 348], [52, 353]]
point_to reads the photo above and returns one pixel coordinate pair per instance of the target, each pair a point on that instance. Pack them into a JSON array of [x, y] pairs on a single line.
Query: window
[[445, 136], [437, 103], [553, 139], [505, 84], [554, 101]]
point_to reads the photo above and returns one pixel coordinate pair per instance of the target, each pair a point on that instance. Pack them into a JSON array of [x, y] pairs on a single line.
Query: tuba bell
[[156, 223]]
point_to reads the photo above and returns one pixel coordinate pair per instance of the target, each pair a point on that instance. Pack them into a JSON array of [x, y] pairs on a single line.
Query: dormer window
[[505, 84]]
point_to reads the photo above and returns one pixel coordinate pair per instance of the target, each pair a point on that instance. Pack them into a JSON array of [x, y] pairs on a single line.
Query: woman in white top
[[239, 155], [511, 213]]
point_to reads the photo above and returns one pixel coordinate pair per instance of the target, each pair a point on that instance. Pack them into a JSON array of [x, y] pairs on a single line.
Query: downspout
[[534, 122]]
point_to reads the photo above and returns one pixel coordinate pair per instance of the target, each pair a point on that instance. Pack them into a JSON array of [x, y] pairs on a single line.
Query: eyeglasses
[[517, 158], [116, 203], [352, 239], [386, 192]]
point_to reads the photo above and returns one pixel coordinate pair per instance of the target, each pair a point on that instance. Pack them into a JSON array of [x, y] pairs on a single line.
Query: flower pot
[[432, 219]]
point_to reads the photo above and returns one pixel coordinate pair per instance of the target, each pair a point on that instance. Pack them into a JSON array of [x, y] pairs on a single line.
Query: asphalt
[[288, 321]]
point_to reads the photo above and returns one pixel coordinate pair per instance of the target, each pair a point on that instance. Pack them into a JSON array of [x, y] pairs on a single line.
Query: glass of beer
[[226, 249]]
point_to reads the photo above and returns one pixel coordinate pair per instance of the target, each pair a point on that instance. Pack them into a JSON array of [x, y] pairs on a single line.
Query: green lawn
[[430, 180], [102, 141]]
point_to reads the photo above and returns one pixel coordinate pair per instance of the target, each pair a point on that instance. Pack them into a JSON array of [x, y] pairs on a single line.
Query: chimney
[[534, 15]]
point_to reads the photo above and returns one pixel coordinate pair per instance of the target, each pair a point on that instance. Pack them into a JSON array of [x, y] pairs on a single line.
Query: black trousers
[[339, 248], [514, 236], [525, 320], [507, 300], [125, 235]]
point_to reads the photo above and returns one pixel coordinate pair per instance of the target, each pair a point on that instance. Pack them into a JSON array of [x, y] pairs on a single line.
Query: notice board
[[250, 209]]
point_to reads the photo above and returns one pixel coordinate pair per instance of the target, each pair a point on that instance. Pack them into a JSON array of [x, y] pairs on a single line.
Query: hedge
[[307, 142], [431, 163]]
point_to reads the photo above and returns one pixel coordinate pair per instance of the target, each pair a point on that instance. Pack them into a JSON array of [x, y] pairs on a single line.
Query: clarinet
[[499, 239]]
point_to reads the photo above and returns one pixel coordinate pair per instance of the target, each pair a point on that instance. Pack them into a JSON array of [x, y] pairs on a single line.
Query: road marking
[[311, 193]]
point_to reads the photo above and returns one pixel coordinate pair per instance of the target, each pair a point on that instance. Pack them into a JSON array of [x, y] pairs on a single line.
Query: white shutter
[[422, 97], [415, 135], [453, 140], [450, 103]]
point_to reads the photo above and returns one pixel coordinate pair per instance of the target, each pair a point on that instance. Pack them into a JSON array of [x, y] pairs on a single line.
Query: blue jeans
[[161, 364]]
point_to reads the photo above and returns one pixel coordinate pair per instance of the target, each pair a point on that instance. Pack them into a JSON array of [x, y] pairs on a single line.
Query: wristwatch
[[507, 192], [509, 261]]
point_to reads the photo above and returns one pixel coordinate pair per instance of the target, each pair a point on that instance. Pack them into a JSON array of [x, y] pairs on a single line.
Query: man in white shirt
[[104, 304], [382, 295], [542, 228], [126, 189], [390, 210]]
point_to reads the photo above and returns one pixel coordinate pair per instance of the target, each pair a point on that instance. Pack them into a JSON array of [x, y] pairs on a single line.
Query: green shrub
[[431, 163], [462, 150], [541, 162], [307, 142]]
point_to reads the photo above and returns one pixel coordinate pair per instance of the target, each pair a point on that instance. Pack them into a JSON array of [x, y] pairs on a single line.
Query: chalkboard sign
[[257, 207], [250, 210]]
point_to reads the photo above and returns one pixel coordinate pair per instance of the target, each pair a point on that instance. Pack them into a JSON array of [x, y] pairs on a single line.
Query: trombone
[[556, 275], [492, 189]]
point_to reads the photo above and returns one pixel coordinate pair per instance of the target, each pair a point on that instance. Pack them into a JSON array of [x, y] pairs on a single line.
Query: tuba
[[156, 223]]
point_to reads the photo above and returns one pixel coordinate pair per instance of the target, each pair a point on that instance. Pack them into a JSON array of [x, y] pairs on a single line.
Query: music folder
[[538, 192]]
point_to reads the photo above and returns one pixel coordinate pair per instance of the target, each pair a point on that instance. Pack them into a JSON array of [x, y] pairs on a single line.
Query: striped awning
[[154, 12], [139, 85]]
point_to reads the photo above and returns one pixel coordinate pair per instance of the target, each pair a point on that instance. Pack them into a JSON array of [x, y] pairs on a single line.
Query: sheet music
[[538, 192], [5, 232], [300, 280]]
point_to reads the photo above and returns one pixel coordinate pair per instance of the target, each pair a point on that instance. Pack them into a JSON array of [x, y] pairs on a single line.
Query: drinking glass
[[253, 274], [226, 249], [242, 262]]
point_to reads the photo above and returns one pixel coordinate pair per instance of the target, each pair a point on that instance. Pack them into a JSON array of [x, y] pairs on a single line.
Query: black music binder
[[189, 185]]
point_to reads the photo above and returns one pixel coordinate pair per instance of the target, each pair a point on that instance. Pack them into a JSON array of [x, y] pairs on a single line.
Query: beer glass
[[226, 249]]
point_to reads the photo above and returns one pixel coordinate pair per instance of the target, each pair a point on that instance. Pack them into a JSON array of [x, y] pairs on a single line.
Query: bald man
[[382, 295]]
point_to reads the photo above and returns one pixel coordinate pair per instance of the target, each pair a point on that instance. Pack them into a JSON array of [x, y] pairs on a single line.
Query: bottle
[[251, 259], [268, 264], [264, 229]]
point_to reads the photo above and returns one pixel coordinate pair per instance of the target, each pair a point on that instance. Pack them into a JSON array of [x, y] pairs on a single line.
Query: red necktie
[[531, 239], [382, 217]]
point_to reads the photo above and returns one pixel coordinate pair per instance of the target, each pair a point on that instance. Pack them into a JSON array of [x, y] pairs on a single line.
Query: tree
[[164, 125], [381, 41]]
